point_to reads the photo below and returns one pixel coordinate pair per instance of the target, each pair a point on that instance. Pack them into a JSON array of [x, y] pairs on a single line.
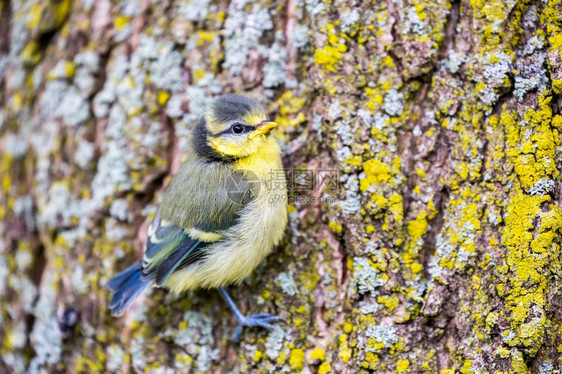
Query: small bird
[[220, 216]]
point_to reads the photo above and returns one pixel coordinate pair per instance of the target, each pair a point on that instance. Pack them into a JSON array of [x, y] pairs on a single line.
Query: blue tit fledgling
[[219, 217]]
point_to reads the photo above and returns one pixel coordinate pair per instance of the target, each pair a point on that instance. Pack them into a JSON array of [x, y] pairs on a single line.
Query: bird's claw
[[264, 320]]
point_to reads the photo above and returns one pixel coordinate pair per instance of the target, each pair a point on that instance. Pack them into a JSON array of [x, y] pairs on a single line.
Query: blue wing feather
[[126, 287], [168, 248], [167, 267]]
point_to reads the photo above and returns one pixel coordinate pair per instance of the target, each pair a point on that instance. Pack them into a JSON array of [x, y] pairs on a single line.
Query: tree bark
[[422, 147]]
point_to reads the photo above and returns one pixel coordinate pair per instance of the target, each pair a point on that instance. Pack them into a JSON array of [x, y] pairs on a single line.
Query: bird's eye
[[237, 128]]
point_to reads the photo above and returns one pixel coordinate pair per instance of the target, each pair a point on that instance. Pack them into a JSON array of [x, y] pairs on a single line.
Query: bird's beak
[[262, 129]]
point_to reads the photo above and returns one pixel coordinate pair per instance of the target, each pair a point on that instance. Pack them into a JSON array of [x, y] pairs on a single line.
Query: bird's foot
[[264, 320]]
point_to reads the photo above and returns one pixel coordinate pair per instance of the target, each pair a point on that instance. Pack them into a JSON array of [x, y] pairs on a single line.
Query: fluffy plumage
[[220, 216]]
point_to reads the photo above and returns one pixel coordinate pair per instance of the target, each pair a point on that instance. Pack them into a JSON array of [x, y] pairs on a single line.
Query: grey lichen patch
[[115, 357], [383, 333], [275, 72], [206, 357], [3, 272], [274, 342], [198, 329], [242, 31], [394, 103], [138, 358], [46, 343], [50, 99], [366, 278], [287, 283], [74, 109], [119, 209], [71, 82], [349, 19], [346, 130], [194, 10], [300, 36], [163, 370], [15, 145], [314, 7], [542, 187], [45, 336], [370, 308], [454, 61], [196, 337], [55, 208], [497, 66], [23, 207], [28, 291], [531, 72], [61, 210], [87, 67], [414, 23], [112, 173], [352, 202], [15, 361], [546, 367], [18, 336], [84, 154], [79, 281]]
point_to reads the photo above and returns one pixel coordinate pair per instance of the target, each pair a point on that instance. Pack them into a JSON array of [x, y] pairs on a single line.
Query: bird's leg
[[260, 319]]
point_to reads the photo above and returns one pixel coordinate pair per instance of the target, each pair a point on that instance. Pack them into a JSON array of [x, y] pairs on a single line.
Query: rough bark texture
[[437, 251]]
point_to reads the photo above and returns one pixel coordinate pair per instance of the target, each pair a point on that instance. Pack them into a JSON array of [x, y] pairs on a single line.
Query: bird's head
[[233, 127]]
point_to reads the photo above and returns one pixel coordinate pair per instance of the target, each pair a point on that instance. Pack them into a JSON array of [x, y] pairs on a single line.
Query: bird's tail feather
[[126, 287]]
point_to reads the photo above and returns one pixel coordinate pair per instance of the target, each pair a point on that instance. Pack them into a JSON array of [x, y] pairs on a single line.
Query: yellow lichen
[[328, 57], [296, 359], [375, 172], [121, 21], [318, 354], [325, 367], [402, 366]]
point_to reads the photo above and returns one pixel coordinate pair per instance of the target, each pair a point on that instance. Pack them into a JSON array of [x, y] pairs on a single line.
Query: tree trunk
[[423, 154]]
